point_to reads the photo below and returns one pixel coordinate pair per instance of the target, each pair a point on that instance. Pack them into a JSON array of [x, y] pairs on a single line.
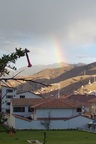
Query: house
[[56, 113], [10, 92], [27, 94], [81, 98], [92, 108], [27, 110], [41, 107], [7, 94], [84, 99]]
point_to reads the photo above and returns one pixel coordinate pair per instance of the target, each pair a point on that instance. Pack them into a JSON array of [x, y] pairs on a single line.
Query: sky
[[53, 30]]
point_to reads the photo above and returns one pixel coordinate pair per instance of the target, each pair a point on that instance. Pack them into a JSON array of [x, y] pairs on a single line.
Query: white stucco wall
[[4, 105], [44, 113], [56, 112], [27, 95], [22, 124], [74, 123], [77, 122]]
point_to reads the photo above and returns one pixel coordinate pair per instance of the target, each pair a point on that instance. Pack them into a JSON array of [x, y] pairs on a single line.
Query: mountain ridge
[[65, 80], [24, 71]]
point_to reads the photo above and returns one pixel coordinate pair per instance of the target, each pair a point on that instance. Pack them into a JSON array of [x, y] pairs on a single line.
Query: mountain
[[63, 80], [26, 71], [67, 79]]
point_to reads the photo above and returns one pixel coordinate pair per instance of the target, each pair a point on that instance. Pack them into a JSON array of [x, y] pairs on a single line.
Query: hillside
[[64, 80], [26, 71]]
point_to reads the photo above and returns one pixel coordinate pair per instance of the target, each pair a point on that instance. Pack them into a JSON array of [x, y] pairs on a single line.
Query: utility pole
[[58, 90], [57, 84]]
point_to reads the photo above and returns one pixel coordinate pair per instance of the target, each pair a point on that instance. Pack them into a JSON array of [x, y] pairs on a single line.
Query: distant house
[[83, 99], [92, 109], [7, 93], [27, 94]]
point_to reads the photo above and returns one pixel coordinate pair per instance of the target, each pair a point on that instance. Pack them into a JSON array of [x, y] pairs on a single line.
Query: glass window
[[18, 109], [9, 96], [8, 103], [79, 109], [22, 96], [9, 90], [8, 110], [29, 109]]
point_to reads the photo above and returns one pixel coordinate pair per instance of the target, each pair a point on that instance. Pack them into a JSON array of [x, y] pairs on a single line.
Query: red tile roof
[[92, 100], [26, 101], [46, 103], [81, 98]]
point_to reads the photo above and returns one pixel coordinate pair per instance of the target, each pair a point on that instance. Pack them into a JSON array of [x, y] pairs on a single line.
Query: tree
[[46, 122], [5, 61]]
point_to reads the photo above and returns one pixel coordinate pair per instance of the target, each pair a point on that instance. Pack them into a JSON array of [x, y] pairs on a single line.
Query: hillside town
[[59, 98], [27, 110]]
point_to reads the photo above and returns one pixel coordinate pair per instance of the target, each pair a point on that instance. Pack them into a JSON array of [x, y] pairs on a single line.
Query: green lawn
[[53, 137]]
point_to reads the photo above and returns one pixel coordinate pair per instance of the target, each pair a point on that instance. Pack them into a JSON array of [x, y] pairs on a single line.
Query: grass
[[53, 137]]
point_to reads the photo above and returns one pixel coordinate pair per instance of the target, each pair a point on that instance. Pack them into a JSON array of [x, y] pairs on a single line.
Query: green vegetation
[[53, 137]]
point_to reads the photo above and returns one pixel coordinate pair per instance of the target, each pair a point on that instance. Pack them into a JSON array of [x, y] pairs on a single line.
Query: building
[[92, 108], [7, 94], [46, 113], [10, 92], [27, 110]]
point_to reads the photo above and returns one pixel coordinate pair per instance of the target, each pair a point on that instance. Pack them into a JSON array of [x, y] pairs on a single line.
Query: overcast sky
[[53, 30]]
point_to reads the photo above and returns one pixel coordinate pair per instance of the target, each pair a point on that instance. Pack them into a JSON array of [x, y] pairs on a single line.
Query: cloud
[[82, 32], [86, 56], [33, 23]]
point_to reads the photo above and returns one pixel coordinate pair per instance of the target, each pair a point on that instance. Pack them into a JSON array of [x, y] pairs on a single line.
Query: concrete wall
[[74, 123]]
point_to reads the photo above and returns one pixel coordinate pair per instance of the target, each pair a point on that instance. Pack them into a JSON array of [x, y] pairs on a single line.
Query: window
[[8, 103], [29, 109], [18, 109], [79, 109], [9, 90], [9, 96], [22, 96], [8, 110]]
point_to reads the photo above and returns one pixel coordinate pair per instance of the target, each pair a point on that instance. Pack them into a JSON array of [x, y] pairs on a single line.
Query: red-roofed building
[[40, 108], [56, 113], [10, 92]]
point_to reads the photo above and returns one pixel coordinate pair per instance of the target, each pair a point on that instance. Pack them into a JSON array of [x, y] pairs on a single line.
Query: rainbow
[[58, 51]]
